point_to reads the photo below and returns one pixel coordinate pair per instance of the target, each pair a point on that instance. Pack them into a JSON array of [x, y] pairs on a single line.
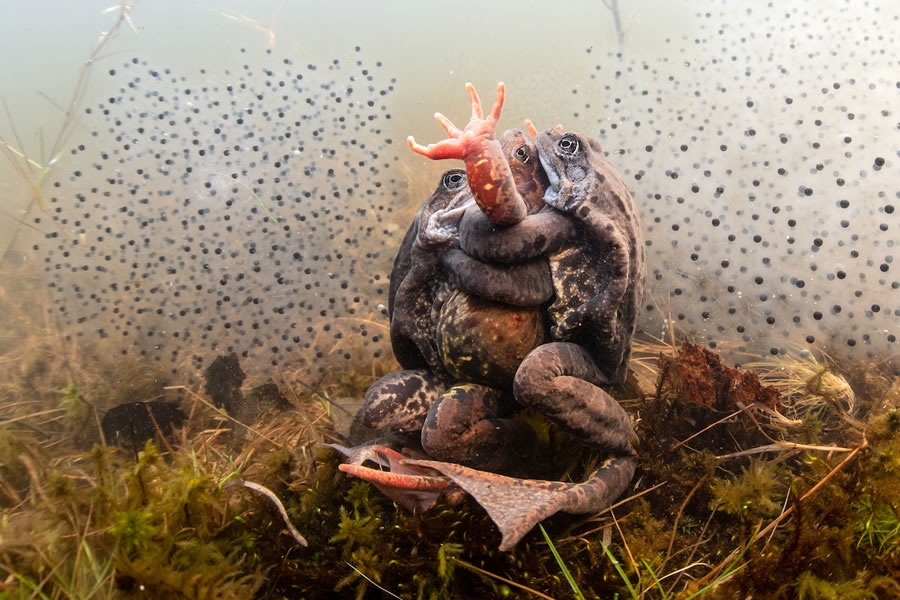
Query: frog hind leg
[[561, 381], [517, 505], [466, 425], [399, 401]]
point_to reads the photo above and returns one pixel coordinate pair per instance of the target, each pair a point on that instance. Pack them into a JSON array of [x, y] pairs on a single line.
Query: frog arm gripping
[[539, 234], [487, 170], [522, 284]]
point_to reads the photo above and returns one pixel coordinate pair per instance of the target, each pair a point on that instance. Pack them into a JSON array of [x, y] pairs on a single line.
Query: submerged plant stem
[[271, 496], [784, 447], [56, 150], [741, 549], [525, 588]]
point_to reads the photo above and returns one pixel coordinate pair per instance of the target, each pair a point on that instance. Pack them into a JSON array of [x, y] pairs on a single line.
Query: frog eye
[[569, 144], [454, 180], [522, 154]]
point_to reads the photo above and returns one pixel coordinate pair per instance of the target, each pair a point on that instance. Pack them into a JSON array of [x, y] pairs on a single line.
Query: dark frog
[[428, 303], [549, 213], [598, 281], [589, 231]]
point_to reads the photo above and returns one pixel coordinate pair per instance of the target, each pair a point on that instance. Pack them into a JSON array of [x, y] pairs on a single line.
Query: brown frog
[[429, 308], [586, 228]]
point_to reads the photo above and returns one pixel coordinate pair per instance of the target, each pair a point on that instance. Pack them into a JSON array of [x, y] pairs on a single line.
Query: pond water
[[185, 180], [237, 178]]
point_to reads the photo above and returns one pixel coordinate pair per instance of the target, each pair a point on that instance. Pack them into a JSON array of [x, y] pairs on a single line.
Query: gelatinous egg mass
[[245, 213], [766, 169], [259, 210]]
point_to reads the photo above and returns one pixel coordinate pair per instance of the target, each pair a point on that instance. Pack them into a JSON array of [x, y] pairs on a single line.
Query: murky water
[[237, 177], [183, 180]]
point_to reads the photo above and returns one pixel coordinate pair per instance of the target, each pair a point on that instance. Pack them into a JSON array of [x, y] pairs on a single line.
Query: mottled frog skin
[[435, 311], [599, 285], [555, 204], [590, 233], [417, 277]]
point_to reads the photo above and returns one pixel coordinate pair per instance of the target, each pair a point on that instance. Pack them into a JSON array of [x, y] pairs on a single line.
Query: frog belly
[[483, 342]]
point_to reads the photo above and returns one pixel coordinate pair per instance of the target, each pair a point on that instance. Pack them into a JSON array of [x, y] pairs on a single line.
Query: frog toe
[[412, 487], [357, 455], [452, 130], [449, 148]]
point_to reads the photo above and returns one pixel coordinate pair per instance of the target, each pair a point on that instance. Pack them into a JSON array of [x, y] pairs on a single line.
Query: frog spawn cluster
[[244, 215], [763, 155], [761, 150]]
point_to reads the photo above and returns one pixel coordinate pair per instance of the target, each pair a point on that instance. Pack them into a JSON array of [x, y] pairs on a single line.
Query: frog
[[490, 310], [422, 295], [598, 281], [586, 228], [401, 401]]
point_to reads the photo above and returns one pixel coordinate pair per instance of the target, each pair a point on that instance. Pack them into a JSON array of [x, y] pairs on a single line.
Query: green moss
[[13, 471], [135, 531], [648, 535], [811, 429], [164, 524], [810, 587], [878, 525], [355, 530], [77, 410], [279, 463], [755, 492]]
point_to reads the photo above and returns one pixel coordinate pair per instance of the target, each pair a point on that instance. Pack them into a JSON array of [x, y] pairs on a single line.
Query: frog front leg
[[487, 169], [589, 309]]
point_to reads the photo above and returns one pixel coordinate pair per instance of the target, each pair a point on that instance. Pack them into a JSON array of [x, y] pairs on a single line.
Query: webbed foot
[[517, 505], [411, 486], [461, 141]]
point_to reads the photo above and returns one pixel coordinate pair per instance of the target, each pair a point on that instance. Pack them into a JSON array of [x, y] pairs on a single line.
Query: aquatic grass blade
[[733, 568], [612, 558], [656, 581], [562, 565]]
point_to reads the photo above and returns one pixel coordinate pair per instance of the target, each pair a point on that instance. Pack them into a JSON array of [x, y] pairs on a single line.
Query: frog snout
[[552, 175]]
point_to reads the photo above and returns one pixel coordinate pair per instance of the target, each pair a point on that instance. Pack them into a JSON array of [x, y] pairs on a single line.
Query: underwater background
[[233, 181], [183, 180]]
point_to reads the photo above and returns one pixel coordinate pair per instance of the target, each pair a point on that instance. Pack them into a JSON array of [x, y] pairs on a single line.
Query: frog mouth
[[450, 216], [443, 225], [551, 194]]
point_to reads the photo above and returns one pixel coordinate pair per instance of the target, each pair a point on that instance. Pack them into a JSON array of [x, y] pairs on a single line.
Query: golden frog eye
[[569, 144], [522, 154], [454, 180]]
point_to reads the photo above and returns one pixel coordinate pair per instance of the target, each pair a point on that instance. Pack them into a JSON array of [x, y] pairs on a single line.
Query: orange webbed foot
[[412, 487], [461, 142]]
